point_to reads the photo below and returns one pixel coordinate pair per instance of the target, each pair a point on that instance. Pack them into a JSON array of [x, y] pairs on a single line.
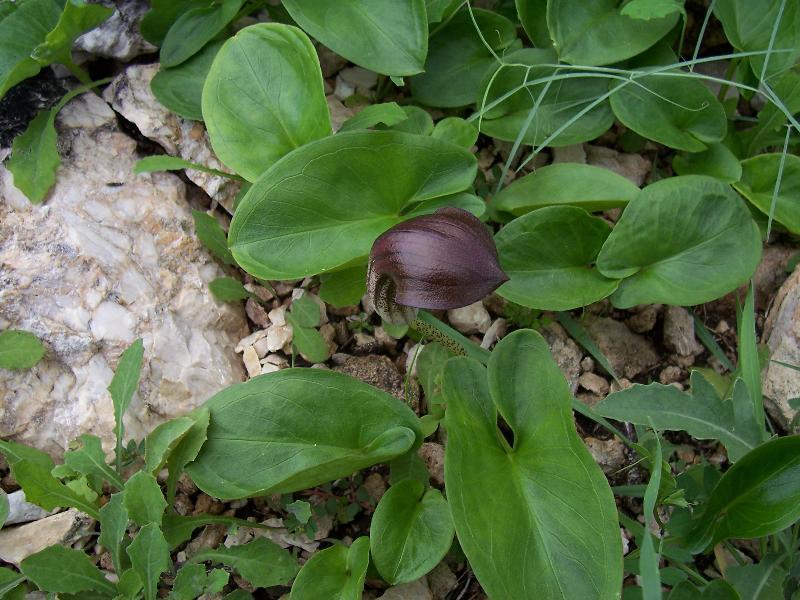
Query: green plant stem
[[78, 73]]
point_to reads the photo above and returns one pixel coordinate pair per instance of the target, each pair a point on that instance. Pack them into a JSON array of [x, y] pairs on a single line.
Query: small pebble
[[470, 319], [277, 316], [593, 383], [250, 340], [587, 364], [251, 361]]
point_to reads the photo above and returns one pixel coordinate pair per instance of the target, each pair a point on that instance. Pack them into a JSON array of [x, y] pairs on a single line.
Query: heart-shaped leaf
[[385, 36], [336, 573], [683, 241], [558, 104], [536, 512], [411, 531], [757, 184], [549, 255], [591, 33], [678, 112], [458, 59], [591, 188], [324, 205], [263, 97], [297, 428]]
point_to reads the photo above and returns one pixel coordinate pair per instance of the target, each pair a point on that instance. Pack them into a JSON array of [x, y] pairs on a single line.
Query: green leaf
[[757, 184], [143, 499], [683, 241], [180, 88], [149, 556], [90, 460], [113, 528], [212, 236], [318, 426], [717, 589], [678, 112], [558, 104], [64, 570], [589, 33], [458, 60], [122, 388], [411, 531], [305, 311], [752, 402], [77, 18], [156, 22], [439, 10], [9, 580], [21, 32], [160, 442], [309, 342], [300, 509], [31, 468], [533, 16], [762, 581], [456, 131], [336, 573], [19, 349], [263, 97], [344, 287], [747, 33], [323, 206], [716, 161], [549, 255], [540, 498], [261, 562], [384, 36], [408, 466], [430, 366], [649, 558], [756, 497], [34, 157], [165, 162], [228, 289], [652, 9], [192, 581], [130, 584], [703, 414], [585, 186], [194, 29], [178, 529], [389, 113], [186, 450], [4, 508], [771, 118], [418, 121]]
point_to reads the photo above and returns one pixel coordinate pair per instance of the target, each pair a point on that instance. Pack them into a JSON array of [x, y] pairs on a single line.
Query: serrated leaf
[[143, 499], [703, 415], [113, 528], [64, 570], [336, 573], [149, 556], [261, 562], [192, 581], [90, 459], [19, 349]]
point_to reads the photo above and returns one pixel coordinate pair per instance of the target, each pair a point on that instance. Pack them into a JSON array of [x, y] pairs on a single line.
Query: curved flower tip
[[439, 261]]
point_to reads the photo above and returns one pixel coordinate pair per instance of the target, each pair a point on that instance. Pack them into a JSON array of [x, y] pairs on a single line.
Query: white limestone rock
[[130, 95], [18, 543], [118, 36], [107, 258], [470, 319]]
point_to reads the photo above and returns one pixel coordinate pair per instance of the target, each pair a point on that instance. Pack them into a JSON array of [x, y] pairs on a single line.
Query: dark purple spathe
[[439, 261]]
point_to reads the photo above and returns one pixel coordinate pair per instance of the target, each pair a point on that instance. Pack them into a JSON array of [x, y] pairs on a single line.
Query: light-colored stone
[[782, 336], [342, 89], [107, 258], [118, 36], [441, 581], [281, 536], [670, 374], [609, 454], [251, 362], [628, 352], [496, 330], [339, 112], [679, 331], [416, 590], [569, 154], [375, 485], [130, 95], [330, 62], [17, 543], [632, 166], [470, 319], [20, 511], [279, 336], [565, 352], [277, 316], [261, 347], [250, 340], [433, 456], [643, 320], [593, 383], [360, 78]]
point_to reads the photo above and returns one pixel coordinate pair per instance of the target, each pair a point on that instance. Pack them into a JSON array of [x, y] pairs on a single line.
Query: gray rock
[[566, 353], [470, 319], [108, 258], [416, 590], [20, 511], [118, 36], [629, 354], [18, 543], [633, 166], [433, 456], [609, 454], [679, 331], [380, 372], [130, 95], [569, 154], [339, 112], [782, 336], [441, 581]]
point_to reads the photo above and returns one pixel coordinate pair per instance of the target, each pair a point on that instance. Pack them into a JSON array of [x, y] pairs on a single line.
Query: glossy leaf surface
[[682, 240], [591, 188], [263, 97], [549, 255], [384, 36], [336, 573], [541, 501], [323, 206], [295, 429], [411, 531]]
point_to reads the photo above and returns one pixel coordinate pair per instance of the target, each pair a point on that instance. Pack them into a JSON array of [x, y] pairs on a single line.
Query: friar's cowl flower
[[439, 261]]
